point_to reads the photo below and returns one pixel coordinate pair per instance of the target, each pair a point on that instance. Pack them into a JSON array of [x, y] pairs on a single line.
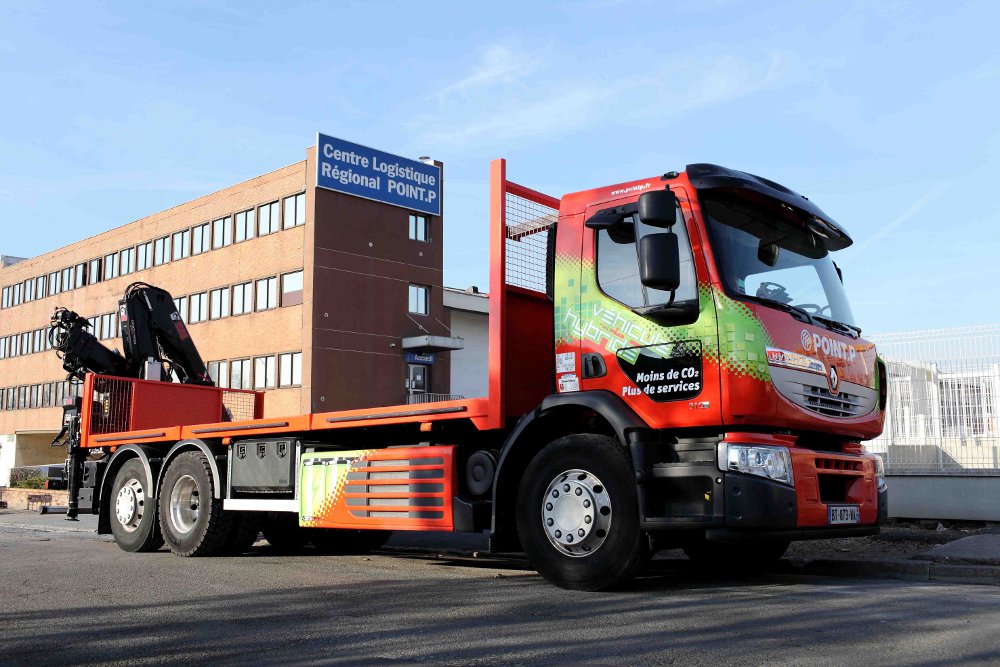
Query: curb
[[48, 529], [912, 570]]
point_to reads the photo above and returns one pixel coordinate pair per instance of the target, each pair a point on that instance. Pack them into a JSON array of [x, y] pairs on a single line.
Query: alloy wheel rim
[[576, 513]]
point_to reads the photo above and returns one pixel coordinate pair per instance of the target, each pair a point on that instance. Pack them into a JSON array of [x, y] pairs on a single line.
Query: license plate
[[841, 514]]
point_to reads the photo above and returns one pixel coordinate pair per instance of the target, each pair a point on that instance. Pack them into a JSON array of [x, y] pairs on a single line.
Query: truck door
[[656, 351]]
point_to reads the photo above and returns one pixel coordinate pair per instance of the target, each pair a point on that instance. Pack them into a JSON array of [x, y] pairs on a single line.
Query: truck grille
[[820, 400], [823, 463]]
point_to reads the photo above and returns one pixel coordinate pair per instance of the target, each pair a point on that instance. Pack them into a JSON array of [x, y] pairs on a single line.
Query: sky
[[887, 115]]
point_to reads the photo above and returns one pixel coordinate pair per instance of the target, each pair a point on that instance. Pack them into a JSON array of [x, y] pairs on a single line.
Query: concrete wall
[[7, 450], [470, 365], [944, 497]]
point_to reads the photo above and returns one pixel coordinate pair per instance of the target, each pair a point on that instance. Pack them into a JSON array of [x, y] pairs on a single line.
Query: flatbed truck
[[672, 363]]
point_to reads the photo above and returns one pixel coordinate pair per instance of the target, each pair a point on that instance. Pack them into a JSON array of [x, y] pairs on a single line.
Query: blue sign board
[[365, 172], [420, 357]]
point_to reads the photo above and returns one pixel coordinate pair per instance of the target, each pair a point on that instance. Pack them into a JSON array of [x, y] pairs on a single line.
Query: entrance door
[[417, 382]]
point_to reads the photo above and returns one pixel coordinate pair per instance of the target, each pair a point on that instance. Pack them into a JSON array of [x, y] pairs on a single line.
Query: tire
[[191, 519], [336, 540], [282, 531], [739, 557], [589, 539], [132, 512]]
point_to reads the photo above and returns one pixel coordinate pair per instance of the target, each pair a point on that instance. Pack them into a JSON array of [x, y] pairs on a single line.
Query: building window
[[161, 251], [181, 303], [267, 293], [38, 340], [107, 326], [290, 369], [418, 228], [29, 290], [94, 272], [79, 274], [26, 343], [291, 289], [35, 396], [245, 223], [199, 307], [219, 307], [202, 239], [54, 282], [263, 372], [222, 232], [47, 395], [182, 244], [219, 372], [3, 347], [268, 219], [68, 279], [239, 374], [111, 266], [48, 337], [242, 298], [6, 298], [295, 210], [144, 256], [128, 261], [419, 299], [19, 293]]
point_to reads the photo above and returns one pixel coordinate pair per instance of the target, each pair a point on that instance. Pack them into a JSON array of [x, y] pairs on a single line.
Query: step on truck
[[673, 362]]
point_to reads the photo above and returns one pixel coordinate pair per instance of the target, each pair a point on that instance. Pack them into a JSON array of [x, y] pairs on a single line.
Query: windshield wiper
[[803, 314], [839, 326]]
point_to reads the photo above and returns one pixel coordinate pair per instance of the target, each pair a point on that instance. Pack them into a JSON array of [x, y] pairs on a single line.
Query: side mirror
[[658, 208], [660, 261]]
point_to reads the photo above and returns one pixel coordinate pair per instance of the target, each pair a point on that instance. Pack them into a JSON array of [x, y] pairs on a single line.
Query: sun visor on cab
[[749, 187]]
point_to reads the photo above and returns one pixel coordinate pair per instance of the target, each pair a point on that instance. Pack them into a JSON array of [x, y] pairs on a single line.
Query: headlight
[[880, 472], [760, 460]]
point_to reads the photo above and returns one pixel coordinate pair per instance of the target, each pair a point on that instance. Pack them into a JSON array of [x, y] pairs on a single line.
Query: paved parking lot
[[74, 597]]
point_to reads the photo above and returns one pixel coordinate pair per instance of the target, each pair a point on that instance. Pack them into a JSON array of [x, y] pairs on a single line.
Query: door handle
[[593, 366]]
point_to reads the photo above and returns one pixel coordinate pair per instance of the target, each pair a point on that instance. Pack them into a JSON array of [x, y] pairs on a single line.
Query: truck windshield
[[770, 252]]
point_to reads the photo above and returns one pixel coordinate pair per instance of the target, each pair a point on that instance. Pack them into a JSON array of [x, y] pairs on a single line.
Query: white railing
[[943, 412]]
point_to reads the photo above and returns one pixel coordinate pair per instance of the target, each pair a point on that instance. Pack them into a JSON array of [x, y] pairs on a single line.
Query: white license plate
[[841, 514]]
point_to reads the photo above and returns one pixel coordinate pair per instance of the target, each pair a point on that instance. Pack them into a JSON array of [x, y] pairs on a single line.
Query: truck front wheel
[[133, 511], [191, 518], [577, 514]]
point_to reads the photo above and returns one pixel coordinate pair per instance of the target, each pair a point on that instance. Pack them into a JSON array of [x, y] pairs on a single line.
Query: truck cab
[[708, 302]]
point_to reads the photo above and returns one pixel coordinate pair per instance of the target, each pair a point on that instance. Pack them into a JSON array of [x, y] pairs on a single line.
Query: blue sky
[[885, 114]]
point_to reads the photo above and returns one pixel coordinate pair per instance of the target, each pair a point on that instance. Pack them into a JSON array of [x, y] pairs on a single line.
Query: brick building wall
[[343, 325], [265, 333]]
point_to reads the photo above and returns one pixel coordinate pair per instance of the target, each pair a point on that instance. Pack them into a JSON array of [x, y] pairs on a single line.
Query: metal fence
[[943, 412]]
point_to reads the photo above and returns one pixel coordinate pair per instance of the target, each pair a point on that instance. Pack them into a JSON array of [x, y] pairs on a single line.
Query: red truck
[[672, 363]]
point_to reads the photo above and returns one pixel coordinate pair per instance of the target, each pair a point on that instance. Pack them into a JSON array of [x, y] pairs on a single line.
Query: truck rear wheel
[[133, 512], [191, 519], [578, 515], [736, 557]]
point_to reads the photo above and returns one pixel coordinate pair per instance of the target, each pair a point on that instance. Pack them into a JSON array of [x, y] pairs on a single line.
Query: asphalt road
[[74, 597]]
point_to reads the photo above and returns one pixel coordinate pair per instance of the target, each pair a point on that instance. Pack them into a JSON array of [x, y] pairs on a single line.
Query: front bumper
[[731, 506]]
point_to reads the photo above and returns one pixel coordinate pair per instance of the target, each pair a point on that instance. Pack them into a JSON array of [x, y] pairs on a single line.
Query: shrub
[[26, 477], [29, 483]]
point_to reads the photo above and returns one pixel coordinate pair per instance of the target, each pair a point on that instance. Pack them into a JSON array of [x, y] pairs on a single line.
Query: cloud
[[498, 64], [509, 105], [911, 211]]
